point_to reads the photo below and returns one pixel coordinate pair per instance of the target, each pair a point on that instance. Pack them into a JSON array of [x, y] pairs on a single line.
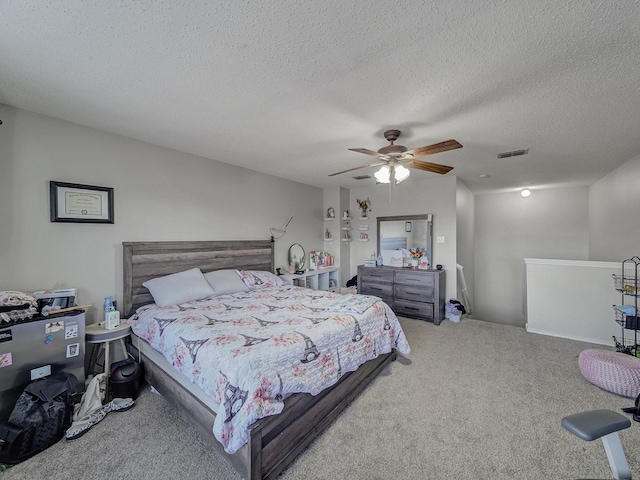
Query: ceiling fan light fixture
[[383, 175], [401, 173]]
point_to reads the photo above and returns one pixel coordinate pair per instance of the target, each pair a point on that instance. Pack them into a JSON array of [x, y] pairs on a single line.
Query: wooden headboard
[[146, 260]]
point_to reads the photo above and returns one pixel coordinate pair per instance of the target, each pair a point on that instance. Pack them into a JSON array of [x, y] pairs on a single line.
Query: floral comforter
[[250, 351]]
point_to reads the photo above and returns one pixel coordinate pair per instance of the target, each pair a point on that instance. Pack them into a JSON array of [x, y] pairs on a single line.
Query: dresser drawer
[[412, 309], [378, 289], [372, 274], [418, 294], [415, 278]]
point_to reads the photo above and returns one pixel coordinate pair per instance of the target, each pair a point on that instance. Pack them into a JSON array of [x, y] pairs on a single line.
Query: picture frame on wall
[[77, 203], [407, 226]]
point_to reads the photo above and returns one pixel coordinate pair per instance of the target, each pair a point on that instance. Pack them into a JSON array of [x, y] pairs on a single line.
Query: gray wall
[[159, 194], [614, 214], [420, 194], [465, 235], [551, 223], [162, 194]]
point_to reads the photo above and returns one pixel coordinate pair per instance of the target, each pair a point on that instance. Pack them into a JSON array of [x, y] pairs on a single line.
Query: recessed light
[[525, 192]]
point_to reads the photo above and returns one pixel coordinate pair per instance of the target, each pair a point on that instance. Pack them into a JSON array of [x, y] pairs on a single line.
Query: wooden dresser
[[409, 293]]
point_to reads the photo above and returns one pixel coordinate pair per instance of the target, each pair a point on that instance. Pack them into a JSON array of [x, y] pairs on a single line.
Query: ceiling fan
[[395, 158]]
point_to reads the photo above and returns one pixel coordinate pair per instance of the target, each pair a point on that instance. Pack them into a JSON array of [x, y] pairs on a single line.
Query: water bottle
[[107, 306]]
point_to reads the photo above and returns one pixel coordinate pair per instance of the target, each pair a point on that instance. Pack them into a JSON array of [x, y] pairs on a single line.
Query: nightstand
[[97, 334]]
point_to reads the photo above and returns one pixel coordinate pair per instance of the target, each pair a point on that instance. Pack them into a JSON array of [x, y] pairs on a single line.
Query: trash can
[[127, 377], [453, 310]]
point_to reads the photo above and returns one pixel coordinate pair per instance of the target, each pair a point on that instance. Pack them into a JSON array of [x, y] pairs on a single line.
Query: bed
[[272, 442]]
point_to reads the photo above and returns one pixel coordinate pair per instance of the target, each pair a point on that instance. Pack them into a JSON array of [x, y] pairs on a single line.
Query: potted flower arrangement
[[364, 206], [415, 258]]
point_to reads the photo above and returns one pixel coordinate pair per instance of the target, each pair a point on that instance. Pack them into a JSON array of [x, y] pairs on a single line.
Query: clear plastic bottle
[[107, 306]]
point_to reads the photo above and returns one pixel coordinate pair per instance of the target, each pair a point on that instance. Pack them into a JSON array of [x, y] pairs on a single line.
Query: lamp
[[383, 175], [397, 172], [401, 173], [280, 231]]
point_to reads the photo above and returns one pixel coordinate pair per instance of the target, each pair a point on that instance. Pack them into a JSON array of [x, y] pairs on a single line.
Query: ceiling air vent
[[515, 153], [362, 177]]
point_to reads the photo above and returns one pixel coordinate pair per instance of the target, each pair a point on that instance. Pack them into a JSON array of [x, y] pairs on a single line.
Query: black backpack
[[39, 419]]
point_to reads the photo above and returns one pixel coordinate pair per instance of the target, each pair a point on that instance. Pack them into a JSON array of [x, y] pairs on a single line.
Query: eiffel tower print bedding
[[249, 351]]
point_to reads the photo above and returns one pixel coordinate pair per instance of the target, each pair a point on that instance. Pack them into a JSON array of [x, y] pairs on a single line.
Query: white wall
[[573, 299], [162, 194], [614, 214], [551, 223], [420, 194], [159, 194], [465, 235]]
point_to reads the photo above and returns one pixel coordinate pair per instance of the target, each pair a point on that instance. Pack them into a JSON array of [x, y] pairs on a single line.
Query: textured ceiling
[[287, 87]]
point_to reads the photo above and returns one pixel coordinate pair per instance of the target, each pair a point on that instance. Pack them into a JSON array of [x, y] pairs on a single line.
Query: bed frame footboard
[[274, 441]]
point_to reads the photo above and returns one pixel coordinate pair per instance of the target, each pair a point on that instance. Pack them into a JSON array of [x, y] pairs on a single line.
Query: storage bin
[[126, 379]]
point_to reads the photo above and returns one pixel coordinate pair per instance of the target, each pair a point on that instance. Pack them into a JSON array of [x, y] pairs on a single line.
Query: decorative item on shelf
[[327, 235], [364, 206], [346, 226], [347, 236], [364, 227], [345, 215], [297, 258], [364, 237], [416, 255], [331, 213], [318, 260]]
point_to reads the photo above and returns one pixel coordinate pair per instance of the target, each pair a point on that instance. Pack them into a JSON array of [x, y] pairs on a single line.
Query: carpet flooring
[[473, 400]]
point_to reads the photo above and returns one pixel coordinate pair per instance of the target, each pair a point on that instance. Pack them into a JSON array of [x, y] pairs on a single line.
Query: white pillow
[[225, 282], [177, 288]]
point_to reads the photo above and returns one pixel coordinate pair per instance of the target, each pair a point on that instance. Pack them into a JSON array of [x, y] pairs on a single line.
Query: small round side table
[[97, 334]]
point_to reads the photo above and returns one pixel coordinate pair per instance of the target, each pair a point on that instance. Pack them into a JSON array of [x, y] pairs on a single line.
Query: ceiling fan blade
[[366, 151], [431, 149], [358, 168], [429, 167]]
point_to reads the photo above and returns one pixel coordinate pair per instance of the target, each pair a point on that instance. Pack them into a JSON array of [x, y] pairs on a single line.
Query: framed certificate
[[72, 202]]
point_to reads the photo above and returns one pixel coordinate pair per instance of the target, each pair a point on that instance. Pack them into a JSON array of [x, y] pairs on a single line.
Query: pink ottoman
[[613, 371]]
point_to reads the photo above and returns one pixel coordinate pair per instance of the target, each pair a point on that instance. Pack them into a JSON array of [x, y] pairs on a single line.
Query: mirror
[[297, 257], [406, 231]]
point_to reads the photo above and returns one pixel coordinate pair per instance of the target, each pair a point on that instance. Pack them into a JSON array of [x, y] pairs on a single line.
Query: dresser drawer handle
[[413, 293], [412, 308], [374, 288]]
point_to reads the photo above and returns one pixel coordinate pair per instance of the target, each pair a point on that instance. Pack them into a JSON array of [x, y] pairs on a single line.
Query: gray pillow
[[225, 282], [177, 288]]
